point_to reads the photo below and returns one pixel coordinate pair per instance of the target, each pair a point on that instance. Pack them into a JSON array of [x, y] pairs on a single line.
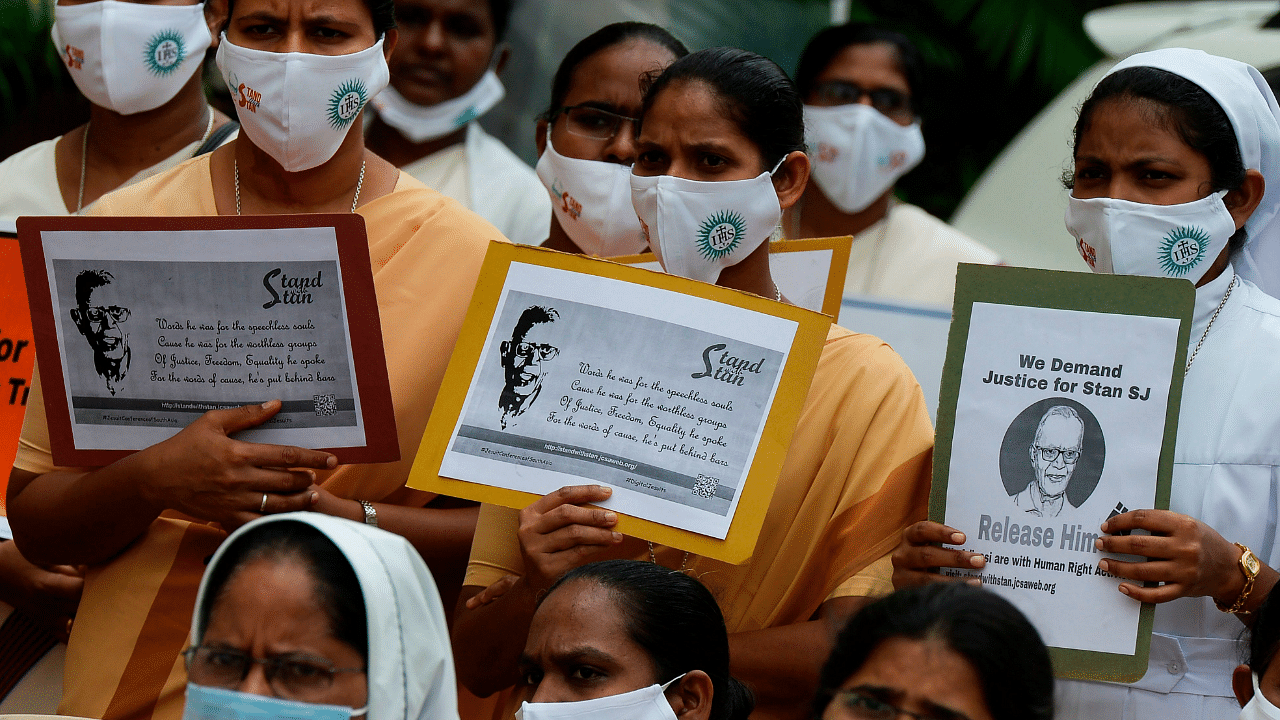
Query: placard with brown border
[[233, 311]]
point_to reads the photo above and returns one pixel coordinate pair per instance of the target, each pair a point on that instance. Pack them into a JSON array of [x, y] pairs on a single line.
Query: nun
[[312, 617], [1176, 173]]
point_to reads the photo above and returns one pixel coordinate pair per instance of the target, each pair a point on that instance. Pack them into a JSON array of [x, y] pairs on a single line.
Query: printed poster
[[17, 356], [810, 272], [586, 371], [144, 324], [1058, 410]]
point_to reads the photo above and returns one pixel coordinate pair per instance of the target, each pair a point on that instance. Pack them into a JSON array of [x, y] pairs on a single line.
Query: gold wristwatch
[[1250, 566]]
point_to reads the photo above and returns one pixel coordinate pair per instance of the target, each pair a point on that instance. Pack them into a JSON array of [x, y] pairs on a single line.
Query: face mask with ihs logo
[[298, 107]]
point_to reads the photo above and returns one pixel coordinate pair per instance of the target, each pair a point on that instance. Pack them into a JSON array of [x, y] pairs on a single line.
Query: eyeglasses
[[893, 103], [594, 123], [292, 675], [1051, 454], [97, 313], [866, 707], [539, 351]]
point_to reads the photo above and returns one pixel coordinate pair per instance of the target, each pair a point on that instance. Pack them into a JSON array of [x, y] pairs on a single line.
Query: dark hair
[[1179, 105], [677, 622], [500, 14], [985, 629], [606, 37], [383, 12], [1264, 636], [335, 584], [752, 91], [828, 43], [532, 315], [89, 280]]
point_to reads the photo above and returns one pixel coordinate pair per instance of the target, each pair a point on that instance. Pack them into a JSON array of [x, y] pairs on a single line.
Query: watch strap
[[1250, 576], [370, 514]]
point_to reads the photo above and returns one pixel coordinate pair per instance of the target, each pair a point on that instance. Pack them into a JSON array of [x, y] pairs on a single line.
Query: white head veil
[[1251, 107], [410, 662]]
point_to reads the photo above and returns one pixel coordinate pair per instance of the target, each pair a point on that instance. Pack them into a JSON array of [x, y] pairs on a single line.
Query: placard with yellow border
[[810, 273], [679, 395]]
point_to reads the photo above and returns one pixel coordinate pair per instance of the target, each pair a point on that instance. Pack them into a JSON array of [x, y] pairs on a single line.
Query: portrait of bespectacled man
[[101, 316], [526, 360], [1052, 457]]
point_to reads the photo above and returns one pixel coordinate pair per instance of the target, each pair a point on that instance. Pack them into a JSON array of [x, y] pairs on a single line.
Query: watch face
[[1250, 563]]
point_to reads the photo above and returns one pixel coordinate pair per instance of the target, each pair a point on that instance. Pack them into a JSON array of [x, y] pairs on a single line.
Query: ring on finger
[[263, 507]]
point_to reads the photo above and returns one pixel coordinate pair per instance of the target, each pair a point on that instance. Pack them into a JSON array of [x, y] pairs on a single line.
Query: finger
[[69, 570], [568, 515], [571, 495], [491, 593], [287, 456], [1151, 546], [235, 419], [294, 502], [1156, 521], [928, 556], [1159, 594], [263, 480], [916, 578], [928, 531], [1159, 571], [573, 536]]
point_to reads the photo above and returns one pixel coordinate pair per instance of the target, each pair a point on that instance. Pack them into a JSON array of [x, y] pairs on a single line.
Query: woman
[[623, 634], [1257, 684], [719, 121], [861, 86], [148, 521], [1169, 138], [444, 77], [302, 610], [938, 651], [586, 138], [146, 115]]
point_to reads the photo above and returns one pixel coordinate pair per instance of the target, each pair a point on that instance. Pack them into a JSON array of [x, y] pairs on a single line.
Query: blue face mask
[[209, 703]]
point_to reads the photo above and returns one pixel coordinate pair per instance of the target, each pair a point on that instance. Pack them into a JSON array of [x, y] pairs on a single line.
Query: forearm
[[782, 664], [488, 640], [80, 518]]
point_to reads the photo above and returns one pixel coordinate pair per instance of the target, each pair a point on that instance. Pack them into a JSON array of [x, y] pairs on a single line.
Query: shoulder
[[30, 185], [495, 151], [860, 373], [434, 221], [38, 155], [184, 190], [936, 238]]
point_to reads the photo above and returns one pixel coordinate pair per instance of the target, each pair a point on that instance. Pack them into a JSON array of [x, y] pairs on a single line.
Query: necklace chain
[[777, 293], [1231, 286], [235, 165], [654, 558], [84, 155]]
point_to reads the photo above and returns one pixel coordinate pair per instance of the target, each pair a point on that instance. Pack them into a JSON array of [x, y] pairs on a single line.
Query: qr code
[[705, 487], [326, 405]]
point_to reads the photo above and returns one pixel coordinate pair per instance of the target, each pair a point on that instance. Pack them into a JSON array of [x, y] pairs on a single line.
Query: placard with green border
[[1059, 409]]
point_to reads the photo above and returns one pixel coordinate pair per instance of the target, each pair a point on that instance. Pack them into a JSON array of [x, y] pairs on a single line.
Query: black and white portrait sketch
[[1052, 457], [525, 357], [100, 317]]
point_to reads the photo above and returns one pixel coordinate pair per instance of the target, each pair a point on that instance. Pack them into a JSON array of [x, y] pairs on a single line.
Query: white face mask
[[702, 227], [297, 107], [648, 703], [592, 202], [859, 153], [129, 57], [420, 123], [1130, 238], [1259, 708]]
